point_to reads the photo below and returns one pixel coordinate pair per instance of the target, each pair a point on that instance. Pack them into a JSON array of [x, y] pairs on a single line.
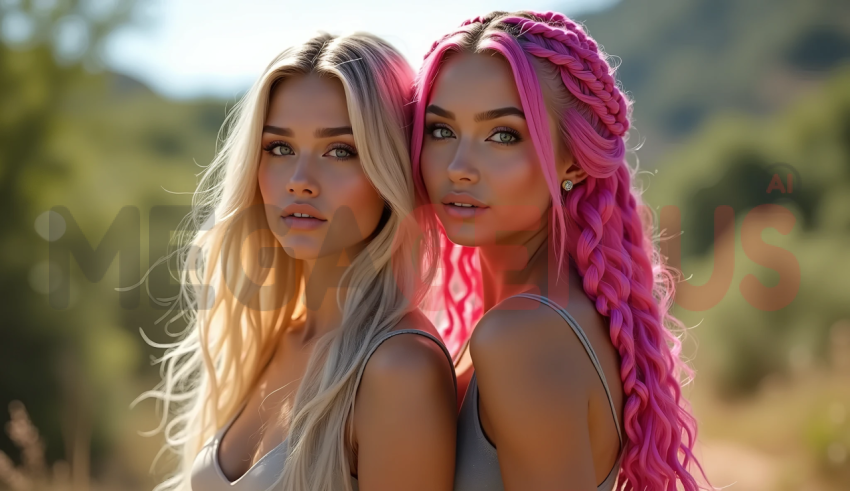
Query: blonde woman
[[306, 364]]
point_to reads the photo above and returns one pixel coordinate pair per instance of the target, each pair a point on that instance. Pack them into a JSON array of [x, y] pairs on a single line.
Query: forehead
[[475, 82], [306, 100]]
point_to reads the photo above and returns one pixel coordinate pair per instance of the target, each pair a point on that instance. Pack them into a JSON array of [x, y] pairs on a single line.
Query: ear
[[574, 173], [569, 170]]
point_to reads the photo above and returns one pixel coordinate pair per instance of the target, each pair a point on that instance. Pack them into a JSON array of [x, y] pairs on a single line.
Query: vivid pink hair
[[597, 223]]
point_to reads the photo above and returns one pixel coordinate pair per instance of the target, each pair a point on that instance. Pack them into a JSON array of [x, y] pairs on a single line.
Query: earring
[[567, 185]]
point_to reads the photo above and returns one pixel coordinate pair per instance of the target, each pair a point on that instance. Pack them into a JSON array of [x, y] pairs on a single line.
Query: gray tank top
[[206, 470], [477, 467]]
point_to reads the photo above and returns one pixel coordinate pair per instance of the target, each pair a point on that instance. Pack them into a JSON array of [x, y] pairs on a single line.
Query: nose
[[461, 169], [301, 184]]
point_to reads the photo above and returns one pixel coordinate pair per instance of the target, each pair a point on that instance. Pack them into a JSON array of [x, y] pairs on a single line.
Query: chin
[[468, 233], [300, 249], [304, 255], [463, 235]]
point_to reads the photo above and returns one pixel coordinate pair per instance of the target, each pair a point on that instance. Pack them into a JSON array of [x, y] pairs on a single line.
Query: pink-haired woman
[[519, 146]]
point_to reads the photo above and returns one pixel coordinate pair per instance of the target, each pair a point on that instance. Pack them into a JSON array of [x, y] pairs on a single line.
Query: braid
[[483, 21], [581, 59], [612, 256], [608, 243]]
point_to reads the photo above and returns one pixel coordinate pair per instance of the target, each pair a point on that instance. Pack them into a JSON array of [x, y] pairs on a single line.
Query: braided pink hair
[[597, 223]]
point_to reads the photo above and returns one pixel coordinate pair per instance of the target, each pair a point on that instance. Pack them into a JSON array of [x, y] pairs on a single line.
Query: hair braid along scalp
[[581, 59], [598, 224], [585, 64]]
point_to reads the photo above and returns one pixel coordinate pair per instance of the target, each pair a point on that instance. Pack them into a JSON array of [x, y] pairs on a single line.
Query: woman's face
[[318, 199], [477, 151]]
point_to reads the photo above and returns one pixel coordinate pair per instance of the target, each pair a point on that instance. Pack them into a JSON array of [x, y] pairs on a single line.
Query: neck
[[519, 264], [322, 280]]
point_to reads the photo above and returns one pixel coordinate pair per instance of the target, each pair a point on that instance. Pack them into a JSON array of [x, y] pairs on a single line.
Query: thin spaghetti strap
[[409, 331], [586, 343]]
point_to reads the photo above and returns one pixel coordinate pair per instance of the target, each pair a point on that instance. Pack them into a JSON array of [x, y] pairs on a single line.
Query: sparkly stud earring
[[567, 185]]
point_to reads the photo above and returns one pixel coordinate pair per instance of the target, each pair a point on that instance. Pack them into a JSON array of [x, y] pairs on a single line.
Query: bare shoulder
[[409, 358], [512, 325], [534, 381], [528, 342], [404, 416]]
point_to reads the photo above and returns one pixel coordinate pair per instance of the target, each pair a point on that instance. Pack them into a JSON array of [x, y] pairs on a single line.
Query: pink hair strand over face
[[598, 224]]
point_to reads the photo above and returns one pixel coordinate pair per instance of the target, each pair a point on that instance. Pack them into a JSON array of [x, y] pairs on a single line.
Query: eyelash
[[496, 131], [348, 148], [272, 145], [434, 127], [505, 129]]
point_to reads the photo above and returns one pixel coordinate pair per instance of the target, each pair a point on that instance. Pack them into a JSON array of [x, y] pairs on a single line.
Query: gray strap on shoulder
[[586, 343], [409, 331]]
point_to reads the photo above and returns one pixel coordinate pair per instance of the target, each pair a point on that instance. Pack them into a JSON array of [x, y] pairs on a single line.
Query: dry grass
[[792, 435], [32, 474]]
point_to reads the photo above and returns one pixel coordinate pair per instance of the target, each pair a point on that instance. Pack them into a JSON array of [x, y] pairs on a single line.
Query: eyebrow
[[439, 111], [278, 131], [320, 133], [485, 116], [331, 132], [498, 113]]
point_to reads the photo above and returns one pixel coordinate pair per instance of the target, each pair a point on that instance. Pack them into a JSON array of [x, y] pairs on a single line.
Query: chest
[[263, 423]]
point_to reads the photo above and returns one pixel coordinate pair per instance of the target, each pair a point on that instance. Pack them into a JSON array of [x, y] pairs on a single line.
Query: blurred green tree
[[47, 49]]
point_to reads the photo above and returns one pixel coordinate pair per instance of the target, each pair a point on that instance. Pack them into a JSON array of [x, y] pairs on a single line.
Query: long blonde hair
[[236, 314]]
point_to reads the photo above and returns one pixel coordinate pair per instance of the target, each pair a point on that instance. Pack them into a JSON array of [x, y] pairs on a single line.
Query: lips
[[299, 209], [302, 216], [462, 199], [460, 205]]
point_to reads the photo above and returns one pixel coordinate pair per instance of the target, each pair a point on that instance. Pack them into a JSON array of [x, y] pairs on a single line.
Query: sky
[[197, 48]]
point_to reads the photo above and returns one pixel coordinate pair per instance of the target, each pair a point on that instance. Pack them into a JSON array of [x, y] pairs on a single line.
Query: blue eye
[[279, 149], [505, 136], [282, 150], [441, 132], [341, 151]]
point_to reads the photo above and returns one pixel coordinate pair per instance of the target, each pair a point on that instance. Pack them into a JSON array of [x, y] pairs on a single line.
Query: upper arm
[[534, 393], [405, 417]]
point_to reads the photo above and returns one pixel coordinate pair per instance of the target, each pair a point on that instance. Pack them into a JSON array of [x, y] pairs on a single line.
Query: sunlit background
[[108, 108]]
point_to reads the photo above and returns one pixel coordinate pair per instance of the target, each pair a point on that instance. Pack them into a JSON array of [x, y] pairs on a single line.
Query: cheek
[[433, 163], [271, 181], [515, 178], [271, 185], [519, 190], [354, 192]]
